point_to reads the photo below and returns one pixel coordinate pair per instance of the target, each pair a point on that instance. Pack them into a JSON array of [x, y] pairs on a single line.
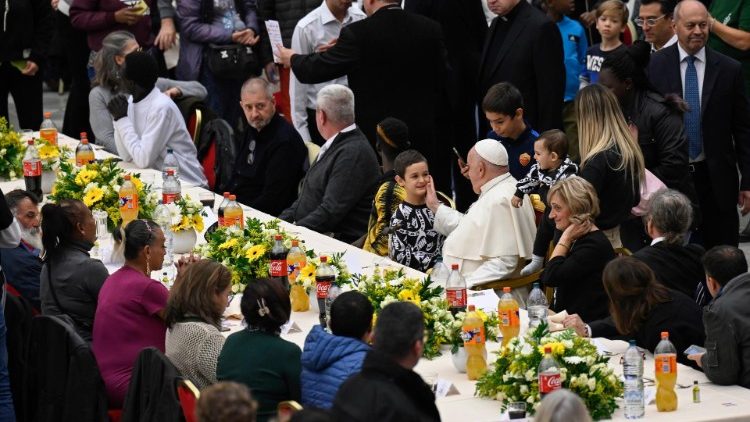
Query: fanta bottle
[[473, 335], [128, 201], [665, 359], [507, 310]]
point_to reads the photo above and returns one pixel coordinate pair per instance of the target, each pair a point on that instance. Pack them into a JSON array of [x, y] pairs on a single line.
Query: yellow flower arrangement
[[11, 151], [255, 252], [48, 151], [185, 213], [85, 176], [558, 348], [230, 243], [409, 296]]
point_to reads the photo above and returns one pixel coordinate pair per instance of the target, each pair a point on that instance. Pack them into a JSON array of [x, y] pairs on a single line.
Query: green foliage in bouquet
[[11, 151]]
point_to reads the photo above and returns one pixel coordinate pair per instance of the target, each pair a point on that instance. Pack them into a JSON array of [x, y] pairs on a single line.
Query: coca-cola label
[[222, 222], [168, 198], [278, 268], [549, 382], [456, 298], [473, 335], [322, 288], [32, 168]]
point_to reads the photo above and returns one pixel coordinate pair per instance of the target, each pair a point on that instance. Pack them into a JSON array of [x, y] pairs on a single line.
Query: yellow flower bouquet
[[52, 155], [186, 214], [98, 186], [244, 251], [11, 151]]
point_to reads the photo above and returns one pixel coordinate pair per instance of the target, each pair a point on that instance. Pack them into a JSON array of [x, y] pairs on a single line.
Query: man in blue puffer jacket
[[329, 359]]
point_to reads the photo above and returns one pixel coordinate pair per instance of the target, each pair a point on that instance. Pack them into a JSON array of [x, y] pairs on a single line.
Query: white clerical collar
[[700, 55], [492, 183], [657, 240]]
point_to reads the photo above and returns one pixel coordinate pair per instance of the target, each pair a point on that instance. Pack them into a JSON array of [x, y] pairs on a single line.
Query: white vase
[[459, 359], [48, 179], [184, 241]]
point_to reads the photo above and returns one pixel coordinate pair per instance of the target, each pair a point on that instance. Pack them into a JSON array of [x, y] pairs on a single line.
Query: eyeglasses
[[251, 155], [649, 21]]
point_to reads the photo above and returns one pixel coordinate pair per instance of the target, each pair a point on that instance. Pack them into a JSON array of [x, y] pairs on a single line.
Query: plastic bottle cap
[[454, 266], [83, 135], [278, 237], [665, 334], [323, 258], [547, 349], [695, 382], [126, 177], [30, 142], [47, 114], [170, 172], [232, 197], [85, 141], [632, 342], [506, 289], [471, 308], [170, 150], [226, 194], [295, 242]]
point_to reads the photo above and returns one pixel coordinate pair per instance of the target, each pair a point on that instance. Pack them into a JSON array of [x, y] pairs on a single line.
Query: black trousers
[[76, 51], [721, 223], [27, 95], [312, 127]]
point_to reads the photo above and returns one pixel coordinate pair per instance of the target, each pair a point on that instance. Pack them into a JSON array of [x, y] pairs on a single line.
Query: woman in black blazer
[[575, 267], [642, 308]]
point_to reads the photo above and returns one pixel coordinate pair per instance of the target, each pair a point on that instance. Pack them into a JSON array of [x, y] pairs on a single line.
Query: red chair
[[208, 162], [188, 395]]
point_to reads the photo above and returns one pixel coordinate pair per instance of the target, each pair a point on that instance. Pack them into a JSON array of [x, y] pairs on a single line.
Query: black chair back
[[18, 316], [152, 394]]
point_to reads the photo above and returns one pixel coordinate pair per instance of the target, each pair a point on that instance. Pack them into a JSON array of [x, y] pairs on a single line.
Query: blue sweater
[[327, 361]]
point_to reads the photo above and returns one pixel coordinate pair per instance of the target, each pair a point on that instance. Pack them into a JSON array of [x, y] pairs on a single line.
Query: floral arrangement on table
[[582, 370], [306, 275], [390, 285], [52, 155], [491, 328], [11, 151], [186, 213], [98, 186], [244, 250]]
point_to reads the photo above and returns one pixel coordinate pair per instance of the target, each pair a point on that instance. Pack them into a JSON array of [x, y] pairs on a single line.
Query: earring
[[148, 265]]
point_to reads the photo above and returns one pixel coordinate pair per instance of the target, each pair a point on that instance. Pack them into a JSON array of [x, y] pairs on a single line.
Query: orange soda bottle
[[665, 359], [84, 151], [473, 335], [48, 130], [507, 310], [296, 260], [128, 201], [233, 213]]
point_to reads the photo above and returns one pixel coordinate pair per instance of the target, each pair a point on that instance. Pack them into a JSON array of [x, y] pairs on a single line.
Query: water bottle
[[171, 189], [632, 371], [440, 273], [170, 163], [163, 218], [536, 306], [333, 293]]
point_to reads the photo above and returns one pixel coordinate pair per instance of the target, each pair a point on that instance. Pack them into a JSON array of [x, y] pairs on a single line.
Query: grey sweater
[[101, 120], [338, 189]]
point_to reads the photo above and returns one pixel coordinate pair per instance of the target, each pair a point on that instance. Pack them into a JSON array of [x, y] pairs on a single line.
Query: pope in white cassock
[[493, 239]]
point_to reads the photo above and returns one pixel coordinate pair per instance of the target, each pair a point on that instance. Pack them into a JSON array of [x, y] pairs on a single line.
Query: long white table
[[719, 403]]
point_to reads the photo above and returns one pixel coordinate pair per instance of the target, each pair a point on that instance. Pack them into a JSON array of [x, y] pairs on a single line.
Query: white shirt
[[657, 240], [329, 141], [151, 126], [667, 44], [700, 69], [315, 30]]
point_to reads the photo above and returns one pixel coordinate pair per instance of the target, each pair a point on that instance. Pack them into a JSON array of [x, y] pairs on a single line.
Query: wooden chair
[[286, 409], [188, 395]]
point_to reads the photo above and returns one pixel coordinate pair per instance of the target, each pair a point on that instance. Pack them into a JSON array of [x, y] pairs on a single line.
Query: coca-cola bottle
[[32, 169], [549, 374], [324, 277], [455, 291], [171, 190], [220, 212], [277, 266]]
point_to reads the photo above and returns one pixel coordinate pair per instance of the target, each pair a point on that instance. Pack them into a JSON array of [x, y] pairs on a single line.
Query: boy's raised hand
[[516, 201], [431, 199]]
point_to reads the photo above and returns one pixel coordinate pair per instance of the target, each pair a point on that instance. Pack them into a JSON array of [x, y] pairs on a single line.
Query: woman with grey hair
[[675, 263], [108, 82], [562, 406]]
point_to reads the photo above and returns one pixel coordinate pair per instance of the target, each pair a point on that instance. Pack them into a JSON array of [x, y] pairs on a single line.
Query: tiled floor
[[55, 103]]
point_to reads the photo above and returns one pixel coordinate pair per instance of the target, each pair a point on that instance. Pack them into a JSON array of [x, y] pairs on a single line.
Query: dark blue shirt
[[22, 267], [520, 151]]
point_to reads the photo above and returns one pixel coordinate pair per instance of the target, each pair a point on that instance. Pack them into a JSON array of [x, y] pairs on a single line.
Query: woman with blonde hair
[[576, 264], [193, 319], [611, 159]]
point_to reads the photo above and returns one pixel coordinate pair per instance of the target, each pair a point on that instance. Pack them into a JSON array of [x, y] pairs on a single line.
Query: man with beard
[[272, 157], [22, 265]]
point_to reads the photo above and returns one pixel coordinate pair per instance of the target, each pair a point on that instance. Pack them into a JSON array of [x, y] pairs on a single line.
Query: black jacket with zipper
[[27, 27]]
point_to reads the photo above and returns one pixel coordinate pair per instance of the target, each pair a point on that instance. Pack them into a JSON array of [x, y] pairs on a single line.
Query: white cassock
[[493, 239]]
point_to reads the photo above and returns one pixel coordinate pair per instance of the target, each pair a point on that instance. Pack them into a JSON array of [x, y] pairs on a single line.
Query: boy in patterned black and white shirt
[[413, 241], [552, 165]]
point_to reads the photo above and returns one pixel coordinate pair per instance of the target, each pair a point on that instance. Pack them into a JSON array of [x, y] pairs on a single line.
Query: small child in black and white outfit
[[552, 165]]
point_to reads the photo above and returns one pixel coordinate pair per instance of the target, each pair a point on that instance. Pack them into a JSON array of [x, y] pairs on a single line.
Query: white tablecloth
[[719, 403]]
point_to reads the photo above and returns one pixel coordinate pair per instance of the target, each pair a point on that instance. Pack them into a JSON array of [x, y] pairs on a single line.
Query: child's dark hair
[[135, 236], [405, 159], [392, 137], [555, 141], [502, 98]]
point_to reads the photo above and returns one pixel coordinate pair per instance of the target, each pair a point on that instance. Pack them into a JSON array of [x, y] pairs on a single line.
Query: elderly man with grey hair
[[271, 158], [676, 264], [338, 189]]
